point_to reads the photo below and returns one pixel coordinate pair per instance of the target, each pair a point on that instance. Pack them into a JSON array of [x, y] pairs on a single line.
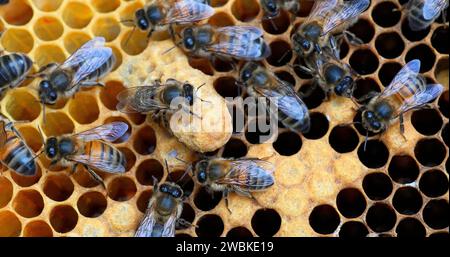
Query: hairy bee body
[[13, 70], [272, 8], [422, 13]]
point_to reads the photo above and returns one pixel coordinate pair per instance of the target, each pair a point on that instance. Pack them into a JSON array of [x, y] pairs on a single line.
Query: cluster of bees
[[316, 41]]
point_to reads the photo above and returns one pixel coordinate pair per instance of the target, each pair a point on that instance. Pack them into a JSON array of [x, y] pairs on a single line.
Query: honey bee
[[158, 15], [408, 90], [14, 69], [156, 99], [14, 153], [238, 42], [292, 111], [83, 68], [422, 13], [327, 18], [88, 149], [163, 211], [4, 2], [242, 176], [272, 8]]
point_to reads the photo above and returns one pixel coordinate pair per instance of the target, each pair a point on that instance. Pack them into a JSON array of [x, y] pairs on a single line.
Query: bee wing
[[78, 56], [422, 97], [169, 226], [147, 224], [251, 31], [187, 11], [249, 172], [108, 132], [346, 10], [103, 164], [140, 99], [321, 8], [406, 75], [432, 8]]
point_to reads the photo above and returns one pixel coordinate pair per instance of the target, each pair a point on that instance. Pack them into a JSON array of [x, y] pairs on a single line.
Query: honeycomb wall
[[326, 185]]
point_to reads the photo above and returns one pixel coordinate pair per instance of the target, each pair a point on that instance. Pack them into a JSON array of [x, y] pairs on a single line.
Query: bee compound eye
[[177, 193]]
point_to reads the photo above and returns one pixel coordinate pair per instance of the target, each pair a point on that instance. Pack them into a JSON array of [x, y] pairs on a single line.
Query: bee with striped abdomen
[[291, 110], [422, 13], [83, 68], [272, 8], [89, 149], [408, 90], [242, 176], [238, 42], [158, 15], [14, 153], [156, 99], [14, 69], [327, 18]]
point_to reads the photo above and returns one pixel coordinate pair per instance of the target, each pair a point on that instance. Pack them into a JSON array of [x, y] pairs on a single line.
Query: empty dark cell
[[377, 186], [381, 217], [222, 65], [427, 121], [430, 152], [286, 76], [444, 105], [388, 71], [445, 134], [385, 14], [324, 219], [343, 139], [234, 148], [201, 64], [389, 45], [413, 35], [188, 214], [281, 53], [351, 202], [363, 87], [301, 73], [433, 183], [403, 169], [277, 25], [439, 40], [361, 130], [312, 97], [363, 30], [444, 235], [435, 214], [319, 126], [239, 232], [410, 227], [206, 201], [353, 229], [402, 2], [375, 155], [258, 133], [209, 225], [288, 143], [407, 200], [266, 222], [343, 49], [226, 87], [424, 54], [364, 61]]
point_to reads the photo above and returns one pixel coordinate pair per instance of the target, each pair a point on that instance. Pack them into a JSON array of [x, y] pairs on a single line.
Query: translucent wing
[[422, 97], [187, 11], [140, 99], [408, 74], [249, 173], [169, 226], [147, 224], [76, 58], [321, 8], [96, 161], [108, 132], [250, 31], [432, 8], [345, 11]]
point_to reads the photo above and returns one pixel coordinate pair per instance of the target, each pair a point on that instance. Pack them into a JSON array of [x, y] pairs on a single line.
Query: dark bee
[[158, 15], [163, 211], [422, 13], [243, 176], [272, 8], [3, 2], [238, 42], [14, 69], [156, 99], [83, 68], [328, 17], [292, 111], [14, 153], [88, 149], [408, 90]]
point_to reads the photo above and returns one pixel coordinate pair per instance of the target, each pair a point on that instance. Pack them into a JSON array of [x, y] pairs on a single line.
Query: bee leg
[[96, 176], [225, 197], [309, 91], [352, 38], [74, 168], [184, 223], [368, 96], [91, 84]]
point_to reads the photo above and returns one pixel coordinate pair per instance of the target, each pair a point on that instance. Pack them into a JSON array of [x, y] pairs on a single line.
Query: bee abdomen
[[13, 69], [302, 126], [102, 70], [16, 156]]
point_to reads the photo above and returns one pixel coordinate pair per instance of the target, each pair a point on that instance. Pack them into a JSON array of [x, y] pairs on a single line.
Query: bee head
[[141, 20], [270, 8], [173, 190], [371, 122], [188, 91], [345, 87], [201, 171], [47, 93], [247, 72], [188, 39], [51, 147]]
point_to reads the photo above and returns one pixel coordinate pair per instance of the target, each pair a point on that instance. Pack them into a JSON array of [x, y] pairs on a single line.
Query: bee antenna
[[366, 139], [168, 170], [284, 55], [173, 47], [130, 35], [126, 20], [43, 111], [41, 134], [199, 97]]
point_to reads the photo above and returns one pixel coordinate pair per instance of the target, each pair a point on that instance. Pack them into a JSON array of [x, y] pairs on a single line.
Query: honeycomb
[[326, 185]]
